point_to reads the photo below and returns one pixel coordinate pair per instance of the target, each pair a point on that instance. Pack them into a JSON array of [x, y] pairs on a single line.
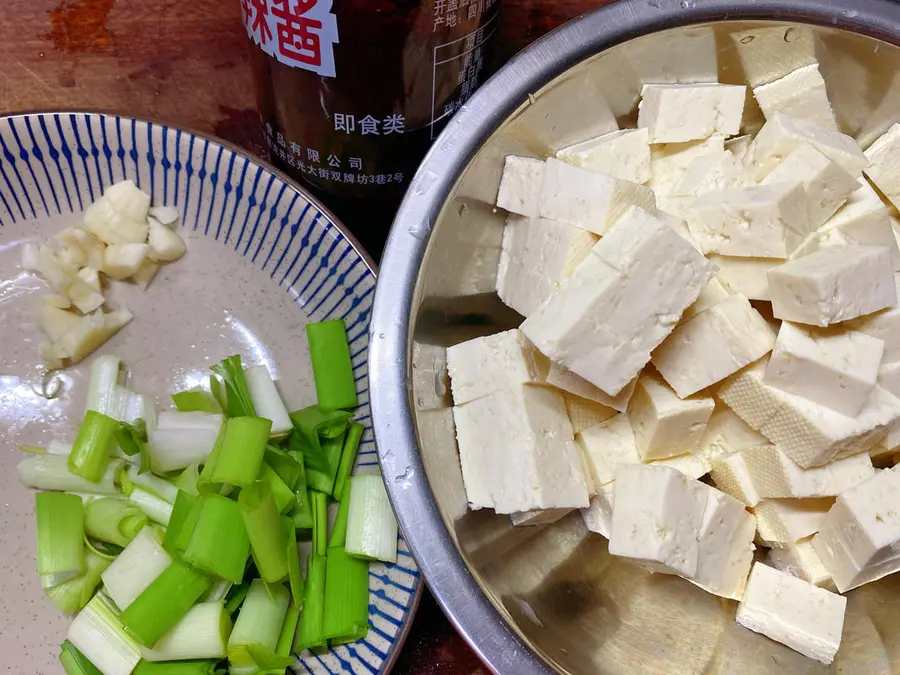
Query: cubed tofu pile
[[709, 359], [122, 238]]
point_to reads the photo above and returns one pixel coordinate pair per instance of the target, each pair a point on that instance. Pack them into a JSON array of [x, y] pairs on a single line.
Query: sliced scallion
[[238, 402], [284, 497], [301, 512], [285, 465], [172, 449], [258, 625], [98, 633], [196, 400], [236, 597], [164, 602], [93, 446], [310, 635], [60, 537], [329, 353], [218, 591], [201, 634], [295, 575], [318, 436], [371, 524], [187, 479], [177, 668], [74, 662], [139, 565], [267, 536], [319, 504], [155, 485], [267, 401], [74, 594], [156, 509], [181, 523], [238, 454], [113, 520], [346, 616], [218, 543], [288, 631], [102, 395], [51, 472], [348, 458]]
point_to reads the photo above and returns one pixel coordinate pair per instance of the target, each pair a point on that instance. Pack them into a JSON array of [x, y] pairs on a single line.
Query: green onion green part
[[181, 523], [176, 668], [267, 535], [329, 353], [320, 522], [218, 543], [187, 480], [113, 520], [236, 597], [93, 446], [348, 458], [238, 402], [318, 436], [289, 470], [258, 626], [346, 617], [339, 529], [284, 497], [138, 566], [311, 635], [295, 575], [196, 400], [60, 537], [74, 662], [301, 512], [71, 596], [164, 602], [288, 631], [238, 454]]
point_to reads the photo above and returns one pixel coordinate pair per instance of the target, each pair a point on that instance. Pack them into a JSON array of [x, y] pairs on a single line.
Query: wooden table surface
[[186, 62]]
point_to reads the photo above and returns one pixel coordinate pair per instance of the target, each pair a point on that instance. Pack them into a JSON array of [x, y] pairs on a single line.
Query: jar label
[[298, 33]]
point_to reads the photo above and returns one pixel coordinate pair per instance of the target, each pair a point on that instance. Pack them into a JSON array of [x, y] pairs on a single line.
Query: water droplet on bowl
[[420, 230], [381, 336], [404, 480]]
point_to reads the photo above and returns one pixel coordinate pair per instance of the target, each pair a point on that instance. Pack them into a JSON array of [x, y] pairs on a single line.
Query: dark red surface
[[186, 62]]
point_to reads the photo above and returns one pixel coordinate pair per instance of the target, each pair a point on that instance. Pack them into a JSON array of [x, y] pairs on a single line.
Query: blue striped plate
[[263, 260]]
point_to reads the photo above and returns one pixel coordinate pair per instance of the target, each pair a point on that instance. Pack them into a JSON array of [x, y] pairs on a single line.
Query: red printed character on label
[[306, 32]]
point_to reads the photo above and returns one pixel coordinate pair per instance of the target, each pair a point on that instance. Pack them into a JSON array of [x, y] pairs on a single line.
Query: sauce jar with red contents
[[352, 93]]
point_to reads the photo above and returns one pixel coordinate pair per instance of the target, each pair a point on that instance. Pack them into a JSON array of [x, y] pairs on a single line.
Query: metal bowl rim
[[445, 571]]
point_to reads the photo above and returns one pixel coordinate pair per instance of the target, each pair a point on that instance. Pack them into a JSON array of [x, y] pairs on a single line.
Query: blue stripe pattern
[[52, 164]]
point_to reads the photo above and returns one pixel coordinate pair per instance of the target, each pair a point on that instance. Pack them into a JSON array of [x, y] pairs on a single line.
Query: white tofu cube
[[760, 221], [598, 516], [859, 540], [889, 377], [607, 446], [884, 325], [584, 413], [491, 363], [536, 518], [833, 285], [783, 522], [806, 618], [864, 219], [622, 301], [713, 345], [725, 433], [810, 434], [725, 543], [562, 378], [517, 451], [836, 368], [586, 199], [748, 276], [720, 171], [781, 135], [684, 56], [669, 162], [678, 113], [691, 465], [520, 185], [827, 183], [777, 476], [738, 147], [536, 256], [623, 154], [732, 475], [664, 424], [713, 294], [884, 164], [770, 53], [801, 560], [657, 514], [801, 94]]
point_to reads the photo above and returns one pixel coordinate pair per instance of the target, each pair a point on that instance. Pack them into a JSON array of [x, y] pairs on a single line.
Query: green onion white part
[[201, 634], [258, 625], [156, 509], [371, 524], [267, 401], [181, 439], [98, 633], [148, 482], [51, 472], [102, 388], [142, 561]]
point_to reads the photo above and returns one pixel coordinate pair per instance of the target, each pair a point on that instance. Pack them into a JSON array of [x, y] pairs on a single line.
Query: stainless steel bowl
[[533, 600]]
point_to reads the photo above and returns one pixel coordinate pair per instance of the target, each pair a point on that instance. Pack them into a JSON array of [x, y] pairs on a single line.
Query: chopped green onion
[[329, 353], [140, 411], [318, 436], [102, 549], [219, 543], [56, 447], [33, 449], [295, 575], [289, 470], [218, 591], [311, 635], [267, 536], [236, 597], [258, 625], [93, 446], [319, 504], [74, 594], [267, 401], [102, 387], [284, 497], [60, 533], [156, 486], [132, 440], [139, 565], [74, 662], [98, 633], [157, 509], [288, 631], [371, 524], [187, 479], [301, 511], [164, 602], [51, 472], [113, 520], [238, 454], [177, 668], [238, 401], [201, 634], [346, 616], [181, 524], [182, 438], [339, 530], [348, 458], [196, 400]]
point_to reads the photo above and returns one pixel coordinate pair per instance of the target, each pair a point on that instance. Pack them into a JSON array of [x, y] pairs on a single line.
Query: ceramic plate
[[262, 261]]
